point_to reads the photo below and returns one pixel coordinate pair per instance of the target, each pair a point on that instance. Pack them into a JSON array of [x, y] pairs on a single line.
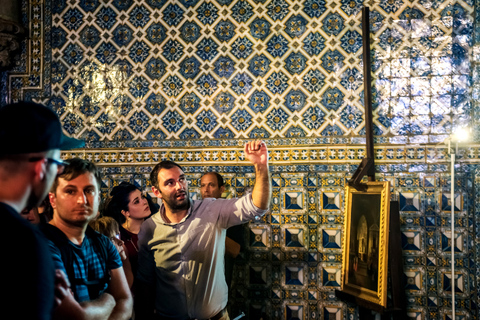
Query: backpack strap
[[62, 242], [97, 287]]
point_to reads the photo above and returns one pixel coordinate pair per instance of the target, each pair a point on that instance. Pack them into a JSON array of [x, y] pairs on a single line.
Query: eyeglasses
[[116, 239], [60, 163]]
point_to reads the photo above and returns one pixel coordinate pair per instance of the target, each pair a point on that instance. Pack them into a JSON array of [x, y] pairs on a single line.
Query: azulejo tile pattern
[[191, 80], [237, 49]]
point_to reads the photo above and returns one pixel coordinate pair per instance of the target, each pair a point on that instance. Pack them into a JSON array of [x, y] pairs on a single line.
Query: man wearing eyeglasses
[[30, 142], [90, 260]]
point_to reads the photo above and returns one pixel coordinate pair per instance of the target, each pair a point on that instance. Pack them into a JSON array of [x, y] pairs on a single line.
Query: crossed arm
[[117, 304]]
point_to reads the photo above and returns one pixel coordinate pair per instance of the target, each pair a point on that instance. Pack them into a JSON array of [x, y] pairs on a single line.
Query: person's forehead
[[165, 174], [209, 177], [83, 180], [134, 194]]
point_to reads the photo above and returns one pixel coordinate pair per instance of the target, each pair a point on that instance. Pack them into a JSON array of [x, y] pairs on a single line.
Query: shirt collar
[[162, 214]]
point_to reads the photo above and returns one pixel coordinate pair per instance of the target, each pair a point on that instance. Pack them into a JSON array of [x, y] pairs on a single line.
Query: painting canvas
[[365, 242]]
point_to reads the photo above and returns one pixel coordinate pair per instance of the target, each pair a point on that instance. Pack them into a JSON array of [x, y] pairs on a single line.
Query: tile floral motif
[[207, 49], [189, 67], [206, 120], [242, 48], [224, 30], [242, 11], [278, 9], [224, 102], [277, 82], [172, 50], [314, 43], [224, 66]]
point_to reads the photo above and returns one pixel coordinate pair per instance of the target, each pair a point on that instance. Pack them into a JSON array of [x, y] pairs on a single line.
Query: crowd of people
[[129, 258]]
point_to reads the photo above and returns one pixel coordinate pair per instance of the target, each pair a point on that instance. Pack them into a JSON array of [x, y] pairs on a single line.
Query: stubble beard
[[175, 205]]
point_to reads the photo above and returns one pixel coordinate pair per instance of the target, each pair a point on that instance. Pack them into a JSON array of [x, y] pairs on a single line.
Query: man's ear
[[156, 192], [222, 189], [53, 200], [40, 170]]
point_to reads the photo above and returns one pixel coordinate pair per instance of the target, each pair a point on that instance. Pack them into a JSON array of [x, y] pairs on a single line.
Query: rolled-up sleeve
[[233, 212]]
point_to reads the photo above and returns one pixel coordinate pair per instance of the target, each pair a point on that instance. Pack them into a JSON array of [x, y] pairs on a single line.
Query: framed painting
[[365, 242]]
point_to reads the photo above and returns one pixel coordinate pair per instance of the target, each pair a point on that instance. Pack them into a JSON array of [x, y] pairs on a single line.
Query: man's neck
[[15, 194], [173, 216], [75, 234]]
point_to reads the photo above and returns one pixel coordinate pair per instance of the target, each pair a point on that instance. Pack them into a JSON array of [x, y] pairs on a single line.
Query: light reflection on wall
[[103, 87], [422, 83]]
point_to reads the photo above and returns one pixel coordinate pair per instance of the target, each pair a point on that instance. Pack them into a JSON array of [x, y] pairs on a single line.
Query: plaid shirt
[[88, 265]]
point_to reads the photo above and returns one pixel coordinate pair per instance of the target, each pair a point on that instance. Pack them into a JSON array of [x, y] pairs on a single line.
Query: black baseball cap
[[28, 127]]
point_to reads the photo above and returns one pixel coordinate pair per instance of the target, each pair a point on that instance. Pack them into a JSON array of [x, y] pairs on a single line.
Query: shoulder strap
[[99, 246], [61, 241]]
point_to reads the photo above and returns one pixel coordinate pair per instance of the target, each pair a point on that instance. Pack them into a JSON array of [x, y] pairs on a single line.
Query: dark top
[[130, 239], [237, 234], [27, 269]]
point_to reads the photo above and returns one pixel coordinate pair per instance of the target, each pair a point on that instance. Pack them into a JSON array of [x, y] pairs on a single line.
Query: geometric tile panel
[[412, 241], [293, 201], [295, 276], [294, 238], [416, 315], [258, 275], [461, 282], [331, 201], [331, 238], [330, 276], [409, 201], [446, 203], [460, 241], [295, 311], [259, 237], [415, 280], [332, 312]]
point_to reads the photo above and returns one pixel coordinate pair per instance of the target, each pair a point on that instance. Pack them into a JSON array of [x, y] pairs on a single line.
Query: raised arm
[[256, 152]]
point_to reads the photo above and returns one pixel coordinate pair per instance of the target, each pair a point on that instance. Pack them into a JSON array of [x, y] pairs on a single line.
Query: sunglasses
[[60, 163]]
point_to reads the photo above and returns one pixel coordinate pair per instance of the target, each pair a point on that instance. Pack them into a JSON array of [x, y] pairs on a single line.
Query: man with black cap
[[30, 142]]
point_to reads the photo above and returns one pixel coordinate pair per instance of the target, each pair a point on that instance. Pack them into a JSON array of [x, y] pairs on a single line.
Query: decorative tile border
[[413, 156]]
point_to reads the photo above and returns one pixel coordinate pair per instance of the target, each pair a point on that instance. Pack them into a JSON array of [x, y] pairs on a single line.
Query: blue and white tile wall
[[192, 80]]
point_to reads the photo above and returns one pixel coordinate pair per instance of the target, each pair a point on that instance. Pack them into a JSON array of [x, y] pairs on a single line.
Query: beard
[[177, 204]]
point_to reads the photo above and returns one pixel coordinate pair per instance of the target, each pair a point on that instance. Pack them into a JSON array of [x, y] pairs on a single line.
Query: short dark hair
[[118, 201], [165, 164], [219, 177], [75, 168]]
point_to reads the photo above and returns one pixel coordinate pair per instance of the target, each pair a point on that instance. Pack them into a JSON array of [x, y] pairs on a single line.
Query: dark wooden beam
[[367, 167]]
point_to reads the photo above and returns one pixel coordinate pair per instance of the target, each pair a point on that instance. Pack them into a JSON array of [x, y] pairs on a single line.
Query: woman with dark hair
[[129, 207]]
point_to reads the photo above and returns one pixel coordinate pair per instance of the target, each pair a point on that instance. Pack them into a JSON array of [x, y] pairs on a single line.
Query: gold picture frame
[[365, 242]]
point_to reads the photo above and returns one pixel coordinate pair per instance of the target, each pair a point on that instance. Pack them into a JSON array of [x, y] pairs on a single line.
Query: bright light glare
[[461, 135]]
